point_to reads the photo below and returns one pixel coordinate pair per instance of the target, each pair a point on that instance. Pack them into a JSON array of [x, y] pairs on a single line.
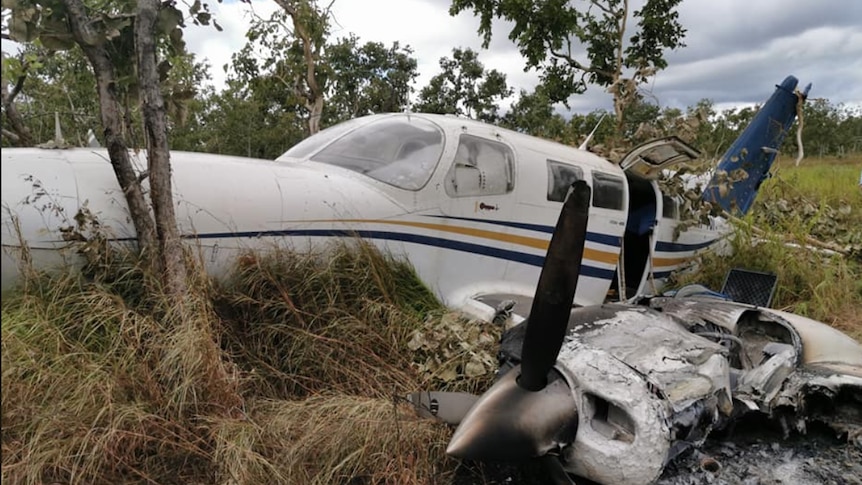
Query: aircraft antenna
[[590, 136]]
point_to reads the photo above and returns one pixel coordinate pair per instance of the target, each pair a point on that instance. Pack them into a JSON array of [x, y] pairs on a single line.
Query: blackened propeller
[[555, 293], [525, 414]]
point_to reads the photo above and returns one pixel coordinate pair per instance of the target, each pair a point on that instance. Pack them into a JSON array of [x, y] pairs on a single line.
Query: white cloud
[[736, 49]]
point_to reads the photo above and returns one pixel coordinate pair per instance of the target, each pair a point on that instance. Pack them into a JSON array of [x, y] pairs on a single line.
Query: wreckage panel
[[822, 343], [625, 443]]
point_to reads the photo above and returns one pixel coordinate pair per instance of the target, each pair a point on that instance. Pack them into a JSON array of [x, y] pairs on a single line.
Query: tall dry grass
[[102, 383]]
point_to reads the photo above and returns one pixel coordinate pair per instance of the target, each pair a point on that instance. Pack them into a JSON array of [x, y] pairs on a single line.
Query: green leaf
[[169, 19], [177, 42], [23, 24], [203, 18], [57, 42]]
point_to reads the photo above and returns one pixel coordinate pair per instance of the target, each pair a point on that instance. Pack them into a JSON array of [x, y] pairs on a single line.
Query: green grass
[[832, 181]]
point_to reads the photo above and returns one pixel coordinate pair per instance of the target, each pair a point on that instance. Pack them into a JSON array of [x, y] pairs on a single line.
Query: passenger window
[[481, 167], [607, 191], [561, 176]]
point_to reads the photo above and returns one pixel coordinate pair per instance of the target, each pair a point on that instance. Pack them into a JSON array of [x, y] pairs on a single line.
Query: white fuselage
[[466, 233]]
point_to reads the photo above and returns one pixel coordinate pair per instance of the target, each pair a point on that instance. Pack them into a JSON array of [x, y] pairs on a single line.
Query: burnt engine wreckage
[[614, 393]]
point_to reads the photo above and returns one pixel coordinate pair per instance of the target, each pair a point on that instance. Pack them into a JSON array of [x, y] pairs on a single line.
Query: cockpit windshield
[[401, 151], [313, 143]]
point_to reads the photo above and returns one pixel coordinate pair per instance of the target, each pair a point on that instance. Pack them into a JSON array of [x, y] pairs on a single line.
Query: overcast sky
[[737, 50]]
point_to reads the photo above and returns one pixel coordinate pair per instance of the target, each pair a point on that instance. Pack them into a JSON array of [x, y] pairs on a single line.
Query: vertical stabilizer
[[746, 163]]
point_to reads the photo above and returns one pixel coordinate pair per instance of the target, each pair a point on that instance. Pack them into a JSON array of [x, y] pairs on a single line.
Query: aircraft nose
[[512, 423]]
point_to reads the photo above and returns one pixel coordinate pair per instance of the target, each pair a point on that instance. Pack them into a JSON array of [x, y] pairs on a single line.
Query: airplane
[[472, 206], [608, 391]]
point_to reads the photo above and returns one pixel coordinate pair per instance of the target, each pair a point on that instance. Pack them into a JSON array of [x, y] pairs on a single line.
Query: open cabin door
[[646, 210], [649, 159]]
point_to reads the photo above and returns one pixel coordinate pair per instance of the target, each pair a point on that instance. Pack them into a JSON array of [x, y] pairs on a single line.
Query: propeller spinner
[[530, 409]]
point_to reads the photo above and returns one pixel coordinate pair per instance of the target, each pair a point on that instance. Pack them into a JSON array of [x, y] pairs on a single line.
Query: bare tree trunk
[[22, 135], [314, 94], [109, 110], [158, 156], [621, 93], [315, 111]]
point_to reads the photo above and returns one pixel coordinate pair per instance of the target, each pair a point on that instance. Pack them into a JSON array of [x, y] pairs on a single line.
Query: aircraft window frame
[[608, 191], [473, 172], [401, 151], [559, 183]]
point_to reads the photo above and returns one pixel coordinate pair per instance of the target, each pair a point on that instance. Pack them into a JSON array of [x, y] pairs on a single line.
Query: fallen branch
[[808, 239]]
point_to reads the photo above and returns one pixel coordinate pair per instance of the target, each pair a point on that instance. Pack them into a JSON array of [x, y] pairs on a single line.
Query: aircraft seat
[[465, 180]]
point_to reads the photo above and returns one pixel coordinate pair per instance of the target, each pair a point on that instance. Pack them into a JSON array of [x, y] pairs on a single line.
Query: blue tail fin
[[746, 163]]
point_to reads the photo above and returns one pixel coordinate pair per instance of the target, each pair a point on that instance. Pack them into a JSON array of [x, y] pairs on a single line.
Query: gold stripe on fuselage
[[532, 242]]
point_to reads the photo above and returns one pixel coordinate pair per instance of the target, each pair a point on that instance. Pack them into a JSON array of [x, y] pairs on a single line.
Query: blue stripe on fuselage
[[679, 247], [591, 236], [505, 254]]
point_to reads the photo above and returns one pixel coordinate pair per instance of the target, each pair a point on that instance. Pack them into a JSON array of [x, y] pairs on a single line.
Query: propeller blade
[[549, 315], [511, 423]]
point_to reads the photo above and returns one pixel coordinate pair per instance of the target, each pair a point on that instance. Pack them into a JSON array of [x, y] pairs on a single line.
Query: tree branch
[[602, 7], [112, 124], [22, 132], [577, 65], [9, 134]]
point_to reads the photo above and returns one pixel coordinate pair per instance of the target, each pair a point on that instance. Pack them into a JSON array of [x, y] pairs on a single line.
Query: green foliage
[[548, 33], [263, 112], [533, 113], [59, 82], [59, 79], [367, 79], [830, 129], [464, 87]]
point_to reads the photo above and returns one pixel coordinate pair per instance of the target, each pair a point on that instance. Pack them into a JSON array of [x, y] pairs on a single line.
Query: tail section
[[746, 163]]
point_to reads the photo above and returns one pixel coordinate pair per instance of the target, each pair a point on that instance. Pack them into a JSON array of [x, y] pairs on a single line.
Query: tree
[[114, 37], [368, 78], [120, 42], [15, 72], [576, 43], [53, 82], [464, 87], [356, 79], [533, 113], [288, 46]]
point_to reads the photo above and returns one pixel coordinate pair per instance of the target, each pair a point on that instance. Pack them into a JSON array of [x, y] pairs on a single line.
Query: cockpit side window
[[608, 191], [401, 151], [561, 176], [481, 167]]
